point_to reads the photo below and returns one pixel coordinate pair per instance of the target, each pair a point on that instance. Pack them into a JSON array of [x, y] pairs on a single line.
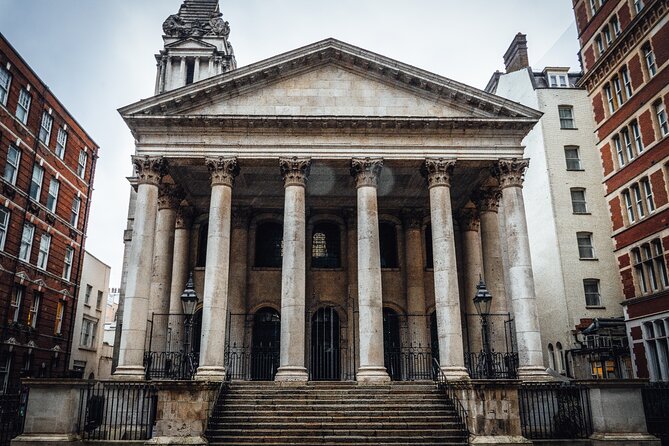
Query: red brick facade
[[40, 344]]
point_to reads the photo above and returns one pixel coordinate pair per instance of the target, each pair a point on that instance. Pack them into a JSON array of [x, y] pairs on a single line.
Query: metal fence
[[656, 408], [117, 411], [450, 390], [410, 364], [13, 405], [555, 411], [493, 365], [170, 365], [251, 363]]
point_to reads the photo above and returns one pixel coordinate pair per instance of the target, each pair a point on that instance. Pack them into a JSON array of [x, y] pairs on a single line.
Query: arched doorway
[[392, 347], [265, 344], [325, 361]]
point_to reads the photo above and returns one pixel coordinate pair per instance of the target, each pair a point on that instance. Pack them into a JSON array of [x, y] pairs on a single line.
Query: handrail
[[443, 382]]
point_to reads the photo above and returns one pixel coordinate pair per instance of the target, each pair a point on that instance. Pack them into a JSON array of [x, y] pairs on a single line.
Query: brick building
[[47, 162], [624, 51]]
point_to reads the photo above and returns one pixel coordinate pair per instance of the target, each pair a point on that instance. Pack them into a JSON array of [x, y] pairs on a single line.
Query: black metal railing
[[555, 411], [493, 365], [117, 411], [656, 409], [331, 364], [170, 365], [450, 389], [410, 363], [251, 363], [13, 405]]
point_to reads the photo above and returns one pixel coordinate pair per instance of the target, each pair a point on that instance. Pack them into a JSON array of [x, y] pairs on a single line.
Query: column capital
[[366, 171], [184, 217], [469, 219], [223, 170], [240, 217], [150, 170], [295, 171], [169, 196], [413, 218], [487, 200], [438, 171], [510, 172]]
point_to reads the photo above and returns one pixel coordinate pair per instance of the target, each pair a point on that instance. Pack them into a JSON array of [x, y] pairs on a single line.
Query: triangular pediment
[[330, 78], [190, 44]]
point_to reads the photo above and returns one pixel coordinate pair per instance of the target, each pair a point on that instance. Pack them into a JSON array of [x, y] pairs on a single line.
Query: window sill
[[581, 213], [568, 128], [594, 259], [575, 170], [595, 307]]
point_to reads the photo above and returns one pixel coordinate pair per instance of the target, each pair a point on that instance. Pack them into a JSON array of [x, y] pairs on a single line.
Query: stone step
[[338, 417], [342, 405], [295, 414], [322, 426], [337, 440]]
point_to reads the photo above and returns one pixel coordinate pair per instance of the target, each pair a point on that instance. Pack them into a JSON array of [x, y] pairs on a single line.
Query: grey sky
[[97, 55]]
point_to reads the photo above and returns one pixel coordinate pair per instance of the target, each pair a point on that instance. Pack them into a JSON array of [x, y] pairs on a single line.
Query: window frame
[[580, 236], [75, 211], [609, 98], [26, 244], [649, 57], [67, 263], [33, 312], [582, 201], [18, 292], [636, 134], [10, 165], [43, 253], [36, 181], [46, 125], [5, 85], [81, 164], [23, 106], [566, 119], [661, 117], [627, 82], [629, 206], [52, 196], [5, 217], [58, 322], [597, 292], [647, 192], [577, 151], [61, 143]]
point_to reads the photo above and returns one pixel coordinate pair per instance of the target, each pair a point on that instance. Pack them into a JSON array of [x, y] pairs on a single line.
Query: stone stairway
[[257, 413]]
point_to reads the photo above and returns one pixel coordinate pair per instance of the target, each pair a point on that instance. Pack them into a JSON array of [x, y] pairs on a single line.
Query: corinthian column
[[180, 269], [215, 299], [366, 172], [238, 267], [169, 197], [446, 295], [413, 223], [295, 172], [136, 306], [473, 270], [510, 173]]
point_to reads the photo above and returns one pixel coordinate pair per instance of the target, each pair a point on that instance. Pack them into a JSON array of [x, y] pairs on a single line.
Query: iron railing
[[410, 364], [170, 365], [450, 389], [251, 363], [117, 411], [656, 409], [13, 405], [493, 365], [328, 363], [555, 411]]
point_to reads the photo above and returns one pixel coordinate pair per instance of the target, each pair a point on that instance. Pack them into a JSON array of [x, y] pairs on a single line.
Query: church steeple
[[196, 46]]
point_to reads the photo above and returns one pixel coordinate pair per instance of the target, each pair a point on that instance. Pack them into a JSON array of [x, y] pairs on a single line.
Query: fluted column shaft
[[215, 296], [415, 271], [446, 294], [180, 269], [135, 312], [295, 172], [370, 295], [510, 174]]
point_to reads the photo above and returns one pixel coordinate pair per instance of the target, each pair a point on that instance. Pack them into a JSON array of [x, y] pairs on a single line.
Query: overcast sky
[[97, 56]]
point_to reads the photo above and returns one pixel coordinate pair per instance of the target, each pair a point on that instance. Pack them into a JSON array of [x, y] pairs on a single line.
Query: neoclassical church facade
[[336, 210]]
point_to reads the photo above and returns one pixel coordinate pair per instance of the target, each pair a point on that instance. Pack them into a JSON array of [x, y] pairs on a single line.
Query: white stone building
[[575, 271]]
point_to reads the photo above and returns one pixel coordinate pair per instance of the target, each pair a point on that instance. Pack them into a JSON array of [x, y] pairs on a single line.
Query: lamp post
[[482, 301], [189, 302]]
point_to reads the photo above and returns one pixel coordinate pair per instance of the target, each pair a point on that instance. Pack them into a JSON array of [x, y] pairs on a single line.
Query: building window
[[26, 242], [98, 301], [636, 133], [33, 313], [591, 289], [81, 164], [629, 206], [74, 214], [43, 255], [4, 226], [60, 311], [15, 304], [45, 128], [585, 248], [269, 245], [557, 80], [648, 193], [578, 203], [600, 45], [36, 182], [551, 357], [619, 150], [5, 367], [5, 81], [649, 56], [23, 106], [12, 166], [607, 35], [325, 245], [67, 267], [88, 332], [626, 81], [609, 98], [638, 200], [52, 198], [560, 358], [657, 349], [566, 117], [87, 296], [638, 6], [61, 143], [615, 25], [593, 7], [572, 158], [617, 87], [650, 267], [628, 144], [388, 245], [661, 115]]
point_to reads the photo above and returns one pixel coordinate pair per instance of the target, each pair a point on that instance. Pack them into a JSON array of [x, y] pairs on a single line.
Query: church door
[[392, 351], [325, 361], [265, 344]]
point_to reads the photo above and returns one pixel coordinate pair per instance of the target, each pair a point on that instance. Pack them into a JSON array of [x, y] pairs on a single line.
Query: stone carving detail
[[487, 200], [223, 170], [150, 170], [412, 218], [240, 217], [469, 219], [295, 171], [219, 27], [176, 26], [366, 171], [438, 171], [169, 196], [510, 172], [184, 217]]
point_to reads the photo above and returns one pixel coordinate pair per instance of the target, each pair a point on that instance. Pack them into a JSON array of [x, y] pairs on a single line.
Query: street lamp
[[482, 301], [188, 302]]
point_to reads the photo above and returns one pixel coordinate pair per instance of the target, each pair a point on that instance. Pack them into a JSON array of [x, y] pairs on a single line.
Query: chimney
[[515, 57]]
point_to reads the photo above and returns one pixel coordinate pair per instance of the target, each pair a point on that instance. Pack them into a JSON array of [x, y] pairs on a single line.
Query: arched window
[[551, 356], [269, 245], [560, 357], [202, 235], [325, 246], [429, 259], [388, 242]]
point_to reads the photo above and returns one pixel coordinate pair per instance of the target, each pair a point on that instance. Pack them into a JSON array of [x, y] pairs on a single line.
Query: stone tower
[[196, 46]]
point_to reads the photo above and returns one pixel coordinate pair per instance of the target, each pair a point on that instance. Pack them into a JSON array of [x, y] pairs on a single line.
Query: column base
[[534, 374], [129, 373], [291, 373], [46, 439], [210, 373], [624, 439], [485, 440], [372, 375], [455, 373], [189, 441]]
